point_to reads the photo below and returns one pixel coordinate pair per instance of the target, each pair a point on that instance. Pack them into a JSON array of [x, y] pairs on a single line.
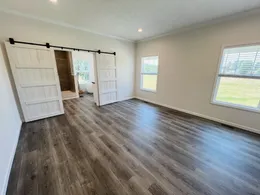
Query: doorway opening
[[68, 81], [84, 68], [83, 73]]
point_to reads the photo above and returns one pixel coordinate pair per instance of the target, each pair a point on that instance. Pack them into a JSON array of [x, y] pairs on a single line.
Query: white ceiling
[[122, 18]]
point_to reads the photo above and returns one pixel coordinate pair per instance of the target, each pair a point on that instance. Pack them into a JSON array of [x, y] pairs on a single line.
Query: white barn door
[[106, 78], [36, 79]]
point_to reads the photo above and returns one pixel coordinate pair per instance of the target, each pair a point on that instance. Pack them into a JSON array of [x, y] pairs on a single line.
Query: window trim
[[217, 80], [141, 74]]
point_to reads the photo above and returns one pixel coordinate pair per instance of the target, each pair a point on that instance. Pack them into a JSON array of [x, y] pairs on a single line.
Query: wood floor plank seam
[[253, 161], [209, 134], [133, 148]]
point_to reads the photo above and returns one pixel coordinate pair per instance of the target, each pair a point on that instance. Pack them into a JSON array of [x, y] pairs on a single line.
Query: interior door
[[36, 79], [106, 78]]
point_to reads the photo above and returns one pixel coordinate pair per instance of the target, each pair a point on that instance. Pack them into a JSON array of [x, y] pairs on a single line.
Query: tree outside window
[[82, 68]]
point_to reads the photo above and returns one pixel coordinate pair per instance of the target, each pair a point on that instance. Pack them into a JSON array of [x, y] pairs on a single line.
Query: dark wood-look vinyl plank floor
[[133, 147]]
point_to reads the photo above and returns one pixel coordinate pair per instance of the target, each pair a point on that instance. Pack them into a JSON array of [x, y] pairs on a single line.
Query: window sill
[[148, 90], [235, 106]]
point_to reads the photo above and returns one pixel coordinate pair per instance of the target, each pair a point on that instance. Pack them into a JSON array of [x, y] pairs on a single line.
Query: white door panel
[[107, 78], [37, 82], [28, 76]]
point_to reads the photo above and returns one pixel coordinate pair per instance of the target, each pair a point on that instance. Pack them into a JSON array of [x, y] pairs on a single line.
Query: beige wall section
[[188, 64], [31, 30], [10, 125]]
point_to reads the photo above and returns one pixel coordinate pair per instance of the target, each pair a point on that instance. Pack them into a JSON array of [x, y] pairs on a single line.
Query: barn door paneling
[[36, 79], [107, 78]]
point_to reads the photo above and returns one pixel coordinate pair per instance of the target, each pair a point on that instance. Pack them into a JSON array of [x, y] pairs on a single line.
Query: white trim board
[[127, 98], [11, 162], [204, 116]]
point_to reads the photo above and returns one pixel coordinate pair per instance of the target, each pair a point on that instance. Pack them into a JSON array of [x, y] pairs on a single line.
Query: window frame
[[141, 74], [219, 75]]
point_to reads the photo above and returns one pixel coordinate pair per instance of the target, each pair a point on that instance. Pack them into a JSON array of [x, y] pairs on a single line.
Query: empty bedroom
[[129, 97]]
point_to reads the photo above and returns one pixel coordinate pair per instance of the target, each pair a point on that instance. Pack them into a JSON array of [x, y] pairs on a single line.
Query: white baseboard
[[127, 98], [11, 162], [204, 116]]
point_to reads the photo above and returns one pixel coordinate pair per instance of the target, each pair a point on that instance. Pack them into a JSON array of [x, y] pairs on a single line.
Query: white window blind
[[238, 79], [241, 61]]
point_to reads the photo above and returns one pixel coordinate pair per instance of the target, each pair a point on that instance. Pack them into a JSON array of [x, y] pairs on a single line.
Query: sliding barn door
[[36, 79], [107, 78]]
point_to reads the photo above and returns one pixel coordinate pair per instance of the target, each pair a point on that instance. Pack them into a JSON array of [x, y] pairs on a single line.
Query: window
[[82, 68], [149, 73], [238, 79]]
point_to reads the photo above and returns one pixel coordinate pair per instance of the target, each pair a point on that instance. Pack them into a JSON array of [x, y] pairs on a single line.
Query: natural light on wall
[[149, 73], [238, 80]]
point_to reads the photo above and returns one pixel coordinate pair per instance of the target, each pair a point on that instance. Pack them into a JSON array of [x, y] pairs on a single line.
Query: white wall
[[10, 125], [25, 29], [188, 64]]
